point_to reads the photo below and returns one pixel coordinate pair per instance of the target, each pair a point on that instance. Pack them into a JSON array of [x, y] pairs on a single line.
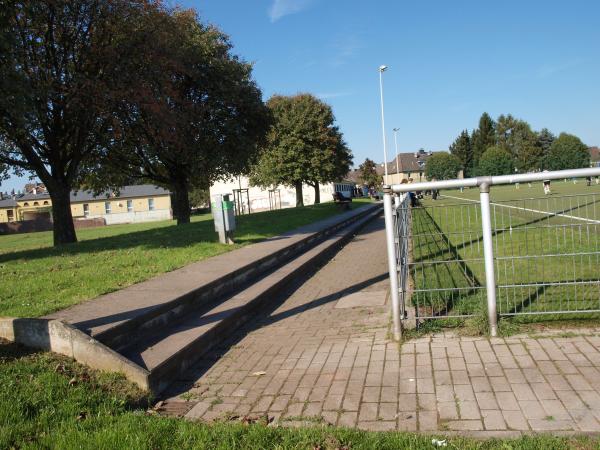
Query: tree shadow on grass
[[251, 229]]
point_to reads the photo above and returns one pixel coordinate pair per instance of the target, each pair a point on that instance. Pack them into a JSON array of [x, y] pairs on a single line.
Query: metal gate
[[461, 255]]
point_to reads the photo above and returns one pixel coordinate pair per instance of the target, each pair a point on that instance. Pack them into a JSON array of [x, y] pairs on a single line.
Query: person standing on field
[[546, 185]]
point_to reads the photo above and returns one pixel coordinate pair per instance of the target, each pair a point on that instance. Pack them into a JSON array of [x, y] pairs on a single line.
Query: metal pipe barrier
[[570, 221]]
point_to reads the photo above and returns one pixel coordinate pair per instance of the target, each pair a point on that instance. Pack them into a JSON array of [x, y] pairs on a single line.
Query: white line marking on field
[[546, 213]]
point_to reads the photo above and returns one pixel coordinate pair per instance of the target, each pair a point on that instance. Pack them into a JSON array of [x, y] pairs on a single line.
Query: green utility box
[[224, 216]]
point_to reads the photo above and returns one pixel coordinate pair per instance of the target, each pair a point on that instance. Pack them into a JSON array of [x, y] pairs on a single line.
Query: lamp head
[[396, 129], [382, 68]]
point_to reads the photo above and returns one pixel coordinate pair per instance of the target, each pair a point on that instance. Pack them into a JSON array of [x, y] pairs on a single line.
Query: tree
[[495, 161], [442, 166], [59, 62], [482, 138], [199, 197], [544, 140], [303, 146], [568, 152], [516, 137], [461, 148], [192, 115], [368, 174]]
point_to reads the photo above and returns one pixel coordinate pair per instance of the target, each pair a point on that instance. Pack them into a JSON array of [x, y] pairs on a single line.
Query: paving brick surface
[[313, 359]]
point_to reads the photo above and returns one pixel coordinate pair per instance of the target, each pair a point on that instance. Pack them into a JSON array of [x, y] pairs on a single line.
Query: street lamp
[[382, 69], [396, 145]]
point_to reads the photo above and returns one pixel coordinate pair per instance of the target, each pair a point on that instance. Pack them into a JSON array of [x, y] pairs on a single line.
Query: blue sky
[[448, 62]]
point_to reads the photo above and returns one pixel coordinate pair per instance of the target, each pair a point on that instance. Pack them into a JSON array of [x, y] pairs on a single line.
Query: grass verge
[[38, 279], [47, 401]]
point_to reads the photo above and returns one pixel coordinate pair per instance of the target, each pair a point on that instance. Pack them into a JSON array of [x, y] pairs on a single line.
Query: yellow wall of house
[[96, 207], [4, 214]]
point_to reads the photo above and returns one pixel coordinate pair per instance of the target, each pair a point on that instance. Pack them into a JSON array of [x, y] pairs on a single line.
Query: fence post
[[488, 256], [392, 263]]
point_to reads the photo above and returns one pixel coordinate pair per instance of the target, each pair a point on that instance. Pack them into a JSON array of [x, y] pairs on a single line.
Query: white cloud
[[346, 48], [281, 8], [550, 69]]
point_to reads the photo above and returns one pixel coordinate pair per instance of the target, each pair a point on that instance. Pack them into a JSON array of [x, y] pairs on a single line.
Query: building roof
[[594, 153], [142, 190], [8, 203], [407, 162]]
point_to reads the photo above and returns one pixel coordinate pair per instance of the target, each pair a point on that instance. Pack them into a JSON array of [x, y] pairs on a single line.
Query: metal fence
[[461, 255]]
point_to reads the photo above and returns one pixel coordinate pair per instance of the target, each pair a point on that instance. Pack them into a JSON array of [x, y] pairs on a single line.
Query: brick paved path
[[319, 357]]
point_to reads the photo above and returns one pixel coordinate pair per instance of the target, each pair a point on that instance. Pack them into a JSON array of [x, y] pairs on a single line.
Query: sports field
[[547, 251]]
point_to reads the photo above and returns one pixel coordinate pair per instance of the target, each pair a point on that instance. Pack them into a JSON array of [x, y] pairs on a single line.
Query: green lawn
[[37, 279], [47, 401], [535, 251]]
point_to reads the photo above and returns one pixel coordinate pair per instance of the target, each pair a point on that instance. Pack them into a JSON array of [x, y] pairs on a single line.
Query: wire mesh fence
[[546, 255]]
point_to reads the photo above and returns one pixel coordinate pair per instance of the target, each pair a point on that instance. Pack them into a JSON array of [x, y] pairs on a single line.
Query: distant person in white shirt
[[546, 186]]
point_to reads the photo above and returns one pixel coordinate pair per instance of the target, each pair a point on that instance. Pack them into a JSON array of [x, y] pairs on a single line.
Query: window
[[45, 202], [11, 215], [107, 207], [36, 204], [129, 205], [25, 204], [151, 204], [86, 210]]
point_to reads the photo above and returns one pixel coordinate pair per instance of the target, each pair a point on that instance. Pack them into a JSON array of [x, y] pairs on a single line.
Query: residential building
[[8, 210], [410, 165], [254, 198], [140, 203]]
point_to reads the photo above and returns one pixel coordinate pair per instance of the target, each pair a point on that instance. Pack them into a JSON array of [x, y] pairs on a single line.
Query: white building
[[279, 197]]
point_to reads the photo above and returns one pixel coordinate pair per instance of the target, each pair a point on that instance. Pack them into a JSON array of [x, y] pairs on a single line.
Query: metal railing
[[514, 257]]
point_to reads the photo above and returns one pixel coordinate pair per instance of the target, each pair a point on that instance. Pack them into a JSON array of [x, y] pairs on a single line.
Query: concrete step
[[171, 350], [131, 314]]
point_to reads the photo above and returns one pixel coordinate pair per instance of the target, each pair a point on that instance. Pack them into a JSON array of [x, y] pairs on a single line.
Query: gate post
[[488, 256], [392, 263]]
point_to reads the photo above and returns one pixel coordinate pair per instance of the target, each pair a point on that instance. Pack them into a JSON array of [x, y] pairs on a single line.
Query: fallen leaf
[[259, 373]]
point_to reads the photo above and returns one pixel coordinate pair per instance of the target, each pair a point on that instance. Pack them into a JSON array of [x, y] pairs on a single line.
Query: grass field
[[547, 251], [47, 401], [37, 279]]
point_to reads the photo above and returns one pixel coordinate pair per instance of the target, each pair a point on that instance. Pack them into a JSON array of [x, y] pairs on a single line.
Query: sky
[[449, 61]]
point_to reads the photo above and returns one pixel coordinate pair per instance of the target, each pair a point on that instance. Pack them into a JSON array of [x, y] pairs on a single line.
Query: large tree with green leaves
[[568, 152], [303, 146], [193, 114], [368, 174], [544, 140], [495, 161], [442, 166], [483, 138], [517, 137], [462, 149], [60, 69]]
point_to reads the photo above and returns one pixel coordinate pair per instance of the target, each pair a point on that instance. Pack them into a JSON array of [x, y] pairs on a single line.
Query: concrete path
[[323, 356]]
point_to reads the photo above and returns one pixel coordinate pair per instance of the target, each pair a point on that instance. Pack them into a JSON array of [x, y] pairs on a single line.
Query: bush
[[495, 161]]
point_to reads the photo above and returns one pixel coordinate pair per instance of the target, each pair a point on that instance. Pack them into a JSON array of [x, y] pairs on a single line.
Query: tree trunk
[[181, 206], [299, 196], [317, 192], [63, 227]]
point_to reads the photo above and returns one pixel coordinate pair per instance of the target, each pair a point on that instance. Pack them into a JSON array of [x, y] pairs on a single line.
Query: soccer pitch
[[546, 249]]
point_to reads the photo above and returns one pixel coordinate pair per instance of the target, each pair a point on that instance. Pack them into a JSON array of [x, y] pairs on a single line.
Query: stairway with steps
[[166, 324]]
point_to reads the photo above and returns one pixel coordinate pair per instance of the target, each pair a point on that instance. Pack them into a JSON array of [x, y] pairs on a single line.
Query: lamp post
[[382, 69], [396, 145]]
